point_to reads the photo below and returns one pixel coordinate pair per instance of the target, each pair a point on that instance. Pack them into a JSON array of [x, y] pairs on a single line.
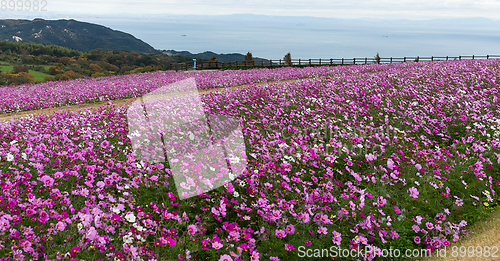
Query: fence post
[[342, 61], [319, 61], [331, 61], [472, 57], [366, 60], [271, 63], [299, 61], [487, 56], [353, 60], [432, 58], [446, 57], [404, 59], [391, 59], [280, 62], [459, 57], [309, 62]]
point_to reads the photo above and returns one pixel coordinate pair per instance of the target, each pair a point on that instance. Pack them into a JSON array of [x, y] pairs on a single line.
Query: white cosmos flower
[[128, 238], [79, 226], [10, 157], [130, 217], [139, 227], [236, 194], [234, 160]]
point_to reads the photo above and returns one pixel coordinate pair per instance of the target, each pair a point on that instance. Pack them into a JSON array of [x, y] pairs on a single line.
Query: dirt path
[[484, 236], [49, 111]]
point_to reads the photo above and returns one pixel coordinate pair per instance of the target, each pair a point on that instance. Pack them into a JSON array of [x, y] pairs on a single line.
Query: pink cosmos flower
[[217, 245], [104, 144], [280, 233], [390, 163], [170, 241], [92, 234], [413, 192], [290, 229], [60, 226], [370, 157], [43, 217], [47, 181], [225, 258], [192, 229], [323, 230], [206, 244]]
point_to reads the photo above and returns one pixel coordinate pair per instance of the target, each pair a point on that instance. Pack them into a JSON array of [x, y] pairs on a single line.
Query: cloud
[[412, 9]]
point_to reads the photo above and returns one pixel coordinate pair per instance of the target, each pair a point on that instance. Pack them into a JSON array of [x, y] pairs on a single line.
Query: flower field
[[80, 91], [398, 155]]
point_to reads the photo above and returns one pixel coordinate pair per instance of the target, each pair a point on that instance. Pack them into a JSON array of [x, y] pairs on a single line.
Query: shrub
[[20, 68]]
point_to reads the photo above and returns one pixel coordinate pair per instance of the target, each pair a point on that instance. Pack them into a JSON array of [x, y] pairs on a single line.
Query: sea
[[272, 37]]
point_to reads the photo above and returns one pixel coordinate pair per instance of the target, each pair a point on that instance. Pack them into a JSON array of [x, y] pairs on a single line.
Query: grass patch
[[39, 76]]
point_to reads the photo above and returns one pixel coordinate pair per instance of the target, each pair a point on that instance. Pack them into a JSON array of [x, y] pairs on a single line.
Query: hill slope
[[72, 34]]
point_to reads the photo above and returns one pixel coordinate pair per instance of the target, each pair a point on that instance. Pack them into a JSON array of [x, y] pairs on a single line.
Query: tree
[[377, 59], [22, 77], [64, 60], [53, 70], [288, 59], [212, 61], [48, 79], [94, 67], [248, 58]]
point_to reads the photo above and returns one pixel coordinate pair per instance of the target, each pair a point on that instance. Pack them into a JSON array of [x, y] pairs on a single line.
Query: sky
[[382, 9]]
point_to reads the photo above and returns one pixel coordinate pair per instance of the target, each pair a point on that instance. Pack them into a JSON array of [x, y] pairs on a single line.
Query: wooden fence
[[318, 62]]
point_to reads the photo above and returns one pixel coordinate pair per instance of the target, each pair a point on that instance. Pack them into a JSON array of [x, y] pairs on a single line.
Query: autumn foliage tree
[[22, 78]]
